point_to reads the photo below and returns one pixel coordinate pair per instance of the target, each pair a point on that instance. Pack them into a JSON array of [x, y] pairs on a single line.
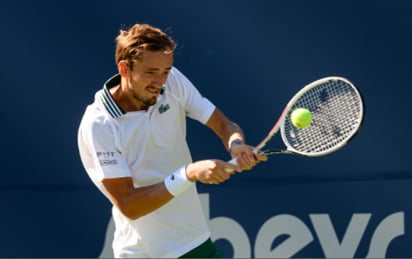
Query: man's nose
[[159, 80]]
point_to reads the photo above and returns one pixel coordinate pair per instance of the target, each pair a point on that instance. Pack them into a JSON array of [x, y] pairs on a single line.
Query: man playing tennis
[[132, 143]]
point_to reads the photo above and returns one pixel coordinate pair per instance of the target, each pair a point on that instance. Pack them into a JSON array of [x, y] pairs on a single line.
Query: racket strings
[[336, 110]]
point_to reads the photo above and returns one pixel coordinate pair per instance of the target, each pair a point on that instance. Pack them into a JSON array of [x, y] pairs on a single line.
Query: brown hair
[[131, 43]]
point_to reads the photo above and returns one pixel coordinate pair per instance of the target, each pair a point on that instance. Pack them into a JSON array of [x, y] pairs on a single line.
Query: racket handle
[[233, 162]]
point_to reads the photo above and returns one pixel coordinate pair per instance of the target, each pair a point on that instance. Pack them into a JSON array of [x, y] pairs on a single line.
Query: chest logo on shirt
[[163, 108]]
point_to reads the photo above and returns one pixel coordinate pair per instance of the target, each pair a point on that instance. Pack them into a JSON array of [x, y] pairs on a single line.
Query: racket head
[[337, 115]]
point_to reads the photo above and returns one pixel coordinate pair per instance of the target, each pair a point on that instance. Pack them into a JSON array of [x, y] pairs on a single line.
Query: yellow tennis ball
[[301, 118]]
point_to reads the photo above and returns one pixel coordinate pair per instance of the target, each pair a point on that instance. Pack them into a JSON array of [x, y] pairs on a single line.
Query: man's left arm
[[234, 141]]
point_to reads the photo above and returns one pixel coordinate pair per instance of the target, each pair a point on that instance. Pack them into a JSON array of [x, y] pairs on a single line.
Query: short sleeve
[[99, 154], [197, 107]]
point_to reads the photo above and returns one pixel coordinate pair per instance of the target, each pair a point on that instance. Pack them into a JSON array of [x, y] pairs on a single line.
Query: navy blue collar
[[107, 99]]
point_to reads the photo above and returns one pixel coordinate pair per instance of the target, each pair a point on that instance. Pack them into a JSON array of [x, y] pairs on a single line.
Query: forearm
[[136, 202], [229, 132], [145, 200], [234, 135]]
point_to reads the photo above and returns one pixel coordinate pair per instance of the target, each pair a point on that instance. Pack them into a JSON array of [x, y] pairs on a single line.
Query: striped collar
[[107, 99]]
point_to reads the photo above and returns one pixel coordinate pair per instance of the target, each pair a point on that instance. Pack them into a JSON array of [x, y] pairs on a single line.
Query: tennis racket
[[337, 114]]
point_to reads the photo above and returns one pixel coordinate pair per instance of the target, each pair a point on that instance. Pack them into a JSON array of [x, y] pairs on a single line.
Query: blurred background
[[249, 58]]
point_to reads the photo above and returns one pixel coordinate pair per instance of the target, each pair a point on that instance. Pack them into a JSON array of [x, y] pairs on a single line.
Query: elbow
[[129, 215], [129, 210]]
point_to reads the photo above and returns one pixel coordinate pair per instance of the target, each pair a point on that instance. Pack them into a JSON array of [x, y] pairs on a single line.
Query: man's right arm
[[137, 202]]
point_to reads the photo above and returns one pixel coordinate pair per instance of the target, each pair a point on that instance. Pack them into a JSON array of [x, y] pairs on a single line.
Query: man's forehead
[[156, 59]]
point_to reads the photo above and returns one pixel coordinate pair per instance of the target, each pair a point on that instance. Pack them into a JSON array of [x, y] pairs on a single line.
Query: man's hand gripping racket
[[337, 113]]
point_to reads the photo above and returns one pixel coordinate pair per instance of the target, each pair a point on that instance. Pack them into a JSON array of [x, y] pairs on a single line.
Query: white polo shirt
[[147, 146]]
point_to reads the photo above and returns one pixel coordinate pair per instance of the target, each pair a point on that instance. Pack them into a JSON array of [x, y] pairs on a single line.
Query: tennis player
[[132, 143]]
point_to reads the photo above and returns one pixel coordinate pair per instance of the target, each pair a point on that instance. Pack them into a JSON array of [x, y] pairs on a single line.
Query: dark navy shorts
[[206, 250]]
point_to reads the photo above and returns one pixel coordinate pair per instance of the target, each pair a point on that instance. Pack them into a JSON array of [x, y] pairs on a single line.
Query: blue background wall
[[249, 58]]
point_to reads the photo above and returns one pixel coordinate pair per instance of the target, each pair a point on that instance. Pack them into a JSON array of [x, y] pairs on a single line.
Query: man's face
[[148, 76]]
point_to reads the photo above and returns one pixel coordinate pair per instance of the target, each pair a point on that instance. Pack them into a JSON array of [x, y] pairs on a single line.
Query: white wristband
[[177, 183]]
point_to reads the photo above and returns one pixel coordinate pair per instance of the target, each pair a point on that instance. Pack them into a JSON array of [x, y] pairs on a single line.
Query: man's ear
[[123, 68]]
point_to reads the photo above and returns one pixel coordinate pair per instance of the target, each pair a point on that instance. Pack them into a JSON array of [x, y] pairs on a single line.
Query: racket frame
[[281, 120], [280, 123]]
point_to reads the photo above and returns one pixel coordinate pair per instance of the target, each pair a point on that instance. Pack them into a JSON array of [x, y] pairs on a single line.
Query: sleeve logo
[[106, 158]]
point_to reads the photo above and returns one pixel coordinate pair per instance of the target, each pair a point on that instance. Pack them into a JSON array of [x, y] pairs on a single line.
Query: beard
[[146, 95], [149, 102], [146, 101]]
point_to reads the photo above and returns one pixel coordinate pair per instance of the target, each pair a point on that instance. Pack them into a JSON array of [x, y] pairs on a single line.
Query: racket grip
[[233, 162]]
